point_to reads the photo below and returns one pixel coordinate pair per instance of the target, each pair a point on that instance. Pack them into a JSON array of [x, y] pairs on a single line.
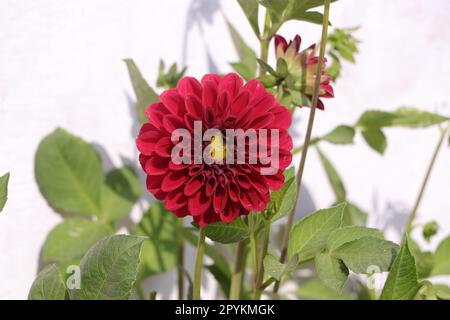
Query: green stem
[[412, 217], [180, 258], [236, 279], [260, 273], [253, 246], [199, 265], [306, 143], [264, 42]]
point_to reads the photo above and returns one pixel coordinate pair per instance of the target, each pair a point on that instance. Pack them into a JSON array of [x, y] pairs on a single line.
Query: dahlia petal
[[243, 181], [211, 186], [173, 101], [230, 214], [280, 42], [199, 203], [219, 199], [154, 184], [233, 192], [175, 201], [189, 86], [193, 185], [156, 165], [275, 181], [283, 117], [172, 122], [173, 180], [194, 106], [240, 102], [164, 147], [214, 78], [231, 83], [209, 94], [181, 213], [262, 121]]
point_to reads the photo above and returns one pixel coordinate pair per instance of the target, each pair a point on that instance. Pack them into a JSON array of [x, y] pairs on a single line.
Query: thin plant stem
[[315, 98], [264, 42], [260, 273], [412, 217], [236, 279], [253, 246], [199, 265], [180, 258]]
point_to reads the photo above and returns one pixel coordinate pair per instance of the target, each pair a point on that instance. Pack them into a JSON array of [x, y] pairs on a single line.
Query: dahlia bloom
[[303, 66], [216, 190]]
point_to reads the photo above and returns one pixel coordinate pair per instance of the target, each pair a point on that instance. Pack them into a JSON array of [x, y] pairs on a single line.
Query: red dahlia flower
[[303, 66], [216, 191]]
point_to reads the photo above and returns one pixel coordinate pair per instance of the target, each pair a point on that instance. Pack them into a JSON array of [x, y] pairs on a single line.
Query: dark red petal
[[157, 165], [275, 181], [173, 180], [280, 41], [199, 203], [164, 147], [219, 199], [194, 184], [175, 201]]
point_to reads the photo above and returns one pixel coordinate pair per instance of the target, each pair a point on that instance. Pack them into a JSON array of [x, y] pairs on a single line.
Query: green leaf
[[227, 232], [315, 289], [331, 271], [401, 283], [246, 55], [69, 173], [159, 252], [347, 234], [171, 78], [442, 291], [48, 285], [353, 215], [274, 268], [424, 259], [442, 258], [120, 192], [3, 190], [109, 269], [340, 135], [222, 277], [145, 95], [402, 117], [250, 8], [283, 201], [267, 67], [309, 235], [333, 177], [249, 74], [367, 254], [376, 139], [72, 238]]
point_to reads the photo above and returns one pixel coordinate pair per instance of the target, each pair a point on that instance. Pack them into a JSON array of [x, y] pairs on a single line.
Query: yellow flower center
[[218, 148]]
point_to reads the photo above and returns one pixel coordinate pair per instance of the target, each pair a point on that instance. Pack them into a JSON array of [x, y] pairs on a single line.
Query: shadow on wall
[[199, 14]]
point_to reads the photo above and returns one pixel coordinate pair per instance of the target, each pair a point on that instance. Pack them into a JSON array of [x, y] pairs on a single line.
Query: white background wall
[[61, 65]]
